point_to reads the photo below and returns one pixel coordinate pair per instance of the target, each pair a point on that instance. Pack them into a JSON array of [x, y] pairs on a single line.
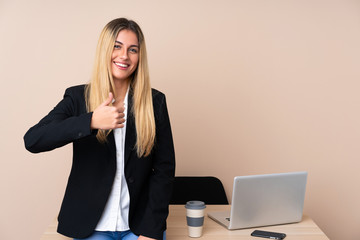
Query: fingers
[[108, 117], [120, 109], [112, 123], [118, 123], [120, 120], [108, 100], [119, 114], [118, 117]]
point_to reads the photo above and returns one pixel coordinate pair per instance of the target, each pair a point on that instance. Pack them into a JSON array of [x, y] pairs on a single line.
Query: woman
[[123, 156]]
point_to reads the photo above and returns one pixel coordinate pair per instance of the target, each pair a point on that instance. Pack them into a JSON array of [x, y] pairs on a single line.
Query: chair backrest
[[207, 189]]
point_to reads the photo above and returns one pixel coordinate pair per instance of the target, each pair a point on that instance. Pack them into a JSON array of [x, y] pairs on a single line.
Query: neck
[[121, 88]]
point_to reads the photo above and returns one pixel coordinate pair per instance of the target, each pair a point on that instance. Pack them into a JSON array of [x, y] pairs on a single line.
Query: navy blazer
[[149, 179]]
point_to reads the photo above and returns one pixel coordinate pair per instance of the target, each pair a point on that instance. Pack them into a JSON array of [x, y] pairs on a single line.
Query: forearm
[[48, 135], [67, 122]]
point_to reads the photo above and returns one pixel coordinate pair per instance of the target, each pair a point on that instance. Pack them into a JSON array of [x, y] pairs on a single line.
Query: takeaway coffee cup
[[195, 217]]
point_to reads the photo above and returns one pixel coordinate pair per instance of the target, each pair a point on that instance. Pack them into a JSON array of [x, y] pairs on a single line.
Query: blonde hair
[[97, 91]]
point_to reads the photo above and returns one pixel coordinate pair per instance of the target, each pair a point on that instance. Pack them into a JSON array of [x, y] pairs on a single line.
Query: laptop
[[262, 200]]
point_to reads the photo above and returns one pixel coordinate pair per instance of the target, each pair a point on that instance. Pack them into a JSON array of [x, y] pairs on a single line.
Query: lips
[[121, 65]]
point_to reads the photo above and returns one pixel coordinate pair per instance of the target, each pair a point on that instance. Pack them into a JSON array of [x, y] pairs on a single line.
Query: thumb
[[108, 100]]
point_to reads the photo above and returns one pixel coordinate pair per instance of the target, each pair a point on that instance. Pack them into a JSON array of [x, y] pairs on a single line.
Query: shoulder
[[75, 97], [159, 103], [158, 97], [159, 100], [76, 90], [77, 93]]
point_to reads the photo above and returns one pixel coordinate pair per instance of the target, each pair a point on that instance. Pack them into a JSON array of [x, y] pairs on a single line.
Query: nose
[[124, 53]]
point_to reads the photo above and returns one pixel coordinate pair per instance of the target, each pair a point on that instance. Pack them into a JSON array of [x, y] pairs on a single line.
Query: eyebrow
[[130, 45]]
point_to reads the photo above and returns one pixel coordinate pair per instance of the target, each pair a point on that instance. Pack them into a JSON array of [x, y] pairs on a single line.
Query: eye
[[116, 46], [133, 50]]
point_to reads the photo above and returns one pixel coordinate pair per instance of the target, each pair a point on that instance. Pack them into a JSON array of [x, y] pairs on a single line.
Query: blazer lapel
[[111, 145]]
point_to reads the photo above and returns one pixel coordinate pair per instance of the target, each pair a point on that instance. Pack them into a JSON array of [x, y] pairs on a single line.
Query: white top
[[116, 212]]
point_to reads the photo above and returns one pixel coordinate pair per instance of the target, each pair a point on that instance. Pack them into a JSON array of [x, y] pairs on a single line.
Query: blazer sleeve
[[67, 122], [162, 177]]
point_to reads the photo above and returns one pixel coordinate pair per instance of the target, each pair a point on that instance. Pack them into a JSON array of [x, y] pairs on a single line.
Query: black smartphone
[[271, 235]]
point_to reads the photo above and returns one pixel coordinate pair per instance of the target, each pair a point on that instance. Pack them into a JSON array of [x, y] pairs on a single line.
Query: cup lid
[[195, 205]]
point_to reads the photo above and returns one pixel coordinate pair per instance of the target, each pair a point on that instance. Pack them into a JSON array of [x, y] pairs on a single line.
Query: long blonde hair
[[97, 91]]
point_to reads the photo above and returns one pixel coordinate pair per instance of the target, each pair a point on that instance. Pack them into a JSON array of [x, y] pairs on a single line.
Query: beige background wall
[[253, 87]]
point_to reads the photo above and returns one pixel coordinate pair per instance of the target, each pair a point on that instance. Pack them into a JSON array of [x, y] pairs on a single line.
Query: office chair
[[207, 189]]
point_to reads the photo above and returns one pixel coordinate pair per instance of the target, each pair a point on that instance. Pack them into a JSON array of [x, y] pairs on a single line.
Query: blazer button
[[131, 180]]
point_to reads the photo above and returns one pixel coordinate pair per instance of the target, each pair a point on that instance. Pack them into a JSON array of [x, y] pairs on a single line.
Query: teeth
[[121, 65]]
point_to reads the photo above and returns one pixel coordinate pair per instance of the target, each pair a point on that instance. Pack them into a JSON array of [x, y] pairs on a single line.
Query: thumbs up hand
[[108, 117]]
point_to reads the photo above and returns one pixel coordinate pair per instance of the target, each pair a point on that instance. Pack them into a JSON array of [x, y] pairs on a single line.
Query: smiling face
[[125, 56]]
